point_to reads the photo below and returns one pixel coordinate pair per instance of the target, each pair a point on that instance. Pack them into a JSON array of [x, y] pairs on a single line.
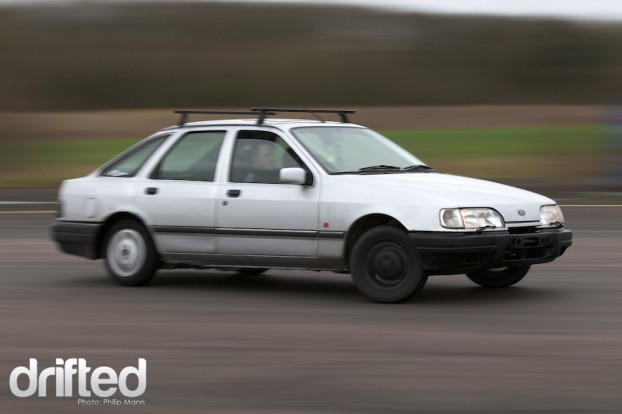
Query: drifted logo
[[102, 382]]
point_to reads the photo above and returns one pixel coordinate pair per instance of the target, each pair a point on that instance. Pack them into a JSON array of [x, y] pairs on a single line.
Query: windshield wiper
[[379, 168], [382, 168], [418, 168]]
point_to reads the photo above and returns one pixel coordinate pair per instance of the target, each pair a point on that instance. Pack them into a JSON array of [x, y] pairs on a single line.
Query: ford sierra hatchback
[[262, 192]]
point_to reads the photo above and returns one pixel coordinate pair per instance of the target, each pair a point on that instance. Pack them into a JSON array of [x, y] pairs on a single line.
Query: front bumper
[[455, 252], [77, 238]]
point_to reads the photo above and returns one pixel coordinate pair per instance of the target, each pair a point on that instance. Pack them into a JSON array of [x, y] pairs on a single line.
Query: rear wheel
[[498, 278], [131, 258], [385, 265]]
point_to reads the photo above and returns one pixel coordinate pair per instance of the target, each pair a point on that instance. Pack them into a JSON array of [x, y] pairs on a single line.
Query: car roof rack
[[263, 113], [185, 112]]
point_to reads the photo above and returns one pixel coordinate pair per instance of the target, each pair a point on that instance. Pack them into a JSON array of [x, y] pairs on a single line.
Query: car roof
[[281, 123], [268, 122]]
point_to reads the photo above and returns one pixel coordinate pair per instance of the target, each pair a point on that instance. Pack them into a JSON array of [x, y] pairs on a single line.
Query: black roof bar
[[185, 112], [343, 113], [262, 113]]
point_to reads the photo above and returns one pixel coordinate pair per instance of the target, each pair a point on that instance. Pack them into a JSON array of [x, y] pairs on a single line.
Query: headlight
[[550, 215], [471, 218]]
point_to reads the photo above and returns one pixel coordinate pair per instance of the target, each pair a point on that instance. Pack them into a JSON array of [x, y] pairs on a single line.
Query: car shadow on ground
[[324, 286], [448, 293]]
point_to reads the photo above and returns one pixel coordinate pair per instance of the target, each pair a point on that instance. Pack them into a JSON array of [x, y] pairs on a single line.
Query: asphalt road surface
[[306, 342]]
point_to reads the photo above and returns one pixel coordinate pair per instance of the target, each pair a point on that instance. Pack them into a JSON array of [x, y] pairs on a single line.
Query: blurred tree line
[[96, 56]]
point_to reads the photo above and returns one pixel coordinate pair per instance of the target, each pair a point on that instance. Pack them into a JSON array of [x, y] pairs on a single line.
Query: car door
[[258, 215], [179, 195]]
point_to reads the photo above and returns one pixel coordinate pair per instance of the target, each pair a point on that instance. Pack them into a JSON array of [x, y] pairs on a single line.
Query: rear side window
[[192, 158], [129, 164]]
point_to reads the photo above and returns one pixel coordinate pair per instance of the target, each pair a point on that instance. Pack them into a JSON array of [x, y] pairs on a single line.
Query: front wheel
[[385, 265], [498, 278], [131, 258]]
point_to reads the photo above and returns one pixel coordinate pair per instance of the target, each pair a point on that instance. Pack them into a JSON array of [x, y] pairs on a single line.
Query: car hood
[[450, 191]]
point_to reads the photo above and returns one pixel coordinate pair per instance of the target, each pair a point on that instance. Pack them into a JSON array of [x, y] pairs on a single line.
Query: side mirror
[[294, 176]]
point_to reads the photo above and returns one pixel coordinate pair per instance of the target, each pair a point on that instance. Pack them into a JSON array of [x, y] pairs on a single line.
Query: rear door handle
[[151, 190], [234, 193]]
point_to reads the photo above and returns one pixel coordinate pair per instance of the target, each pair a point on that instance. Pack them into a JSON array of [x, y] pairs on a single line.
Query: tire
[[251, 271], [498, 278], [385, 265], [131, 258]]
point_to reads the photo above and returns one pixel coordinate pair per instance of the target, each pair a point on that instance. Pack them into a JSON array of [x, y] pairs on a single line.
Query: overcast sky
[[604, 10]]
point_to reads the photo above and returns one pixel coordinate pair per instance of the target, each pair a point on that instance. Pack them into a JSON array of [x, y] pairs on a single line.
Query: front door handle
[[234, 193], [151, 190]]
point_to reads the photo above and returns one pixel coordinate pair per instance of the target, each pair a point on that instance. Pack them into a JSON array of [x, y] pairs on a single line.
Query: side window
[[192, 158], [258, 157], [129, 164]]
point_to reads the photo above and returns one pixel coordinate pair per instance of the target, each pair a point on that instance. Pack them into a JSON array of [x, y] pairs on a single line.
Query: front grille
[[522, 230]]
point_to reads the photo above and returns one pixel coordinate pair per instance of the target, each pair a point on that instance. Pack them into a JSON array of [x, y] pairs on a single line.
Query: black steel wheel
[[385, 266], [498, 278]]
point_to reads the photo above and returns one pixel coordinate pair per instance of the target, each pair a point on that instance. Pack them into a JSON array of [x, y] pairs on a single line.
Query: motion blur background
[[532, 101]]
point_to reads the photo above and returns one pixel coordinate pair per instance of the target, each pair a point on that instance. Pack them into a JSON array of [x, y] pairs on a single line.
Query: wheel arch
[[365, 223], [111, 221]]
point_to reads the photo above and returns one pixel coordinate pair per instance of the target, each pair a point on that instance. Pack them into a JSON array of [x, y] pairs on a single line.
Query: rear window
[[193, 158], [129, 164]]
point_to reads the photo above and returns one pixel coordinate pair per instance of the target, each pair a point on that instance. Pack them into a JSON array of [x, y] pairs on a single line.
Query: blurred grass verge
[[492, 153], [45, 163]]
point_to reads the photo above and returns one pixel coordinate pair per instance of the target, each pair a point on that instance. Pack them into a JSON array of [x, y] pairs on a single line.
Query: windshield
[[354, 150]]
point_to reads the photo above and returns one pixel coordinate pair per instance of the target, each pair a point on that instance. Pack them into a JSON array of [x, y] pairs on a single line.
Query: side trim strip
[[267, 232], [331, 234], [184, 229], [250, 232]]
